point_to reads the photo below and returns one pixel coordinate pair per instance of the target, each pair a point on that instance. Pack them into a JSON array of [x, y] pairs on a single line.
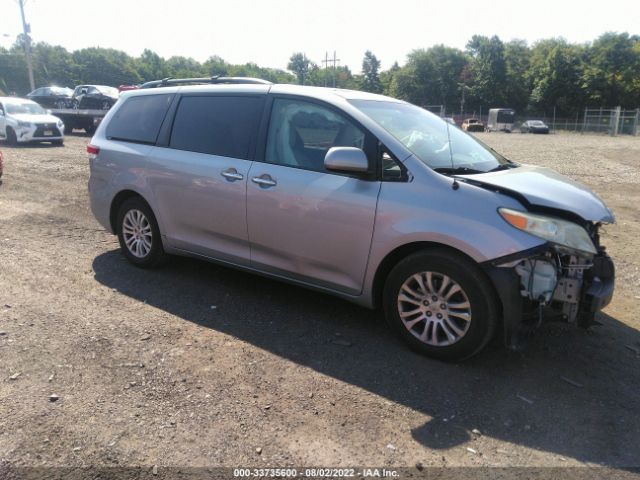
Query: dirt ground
[[197, 365]]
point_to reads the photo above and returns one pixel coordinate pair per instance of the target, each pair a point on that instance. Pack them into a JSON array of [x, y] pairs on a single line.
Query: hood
[[44, 118], [547, 188]]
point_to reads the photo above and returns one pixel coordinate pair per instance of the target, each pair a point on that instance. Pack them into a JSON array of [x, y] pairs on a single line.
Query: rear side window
[[139, 119], [217, 125]]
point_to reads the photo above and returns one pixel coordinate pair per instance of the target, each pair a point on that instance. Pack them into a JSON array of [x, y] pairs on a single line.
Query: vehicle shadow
[[573, 393], [43, 144]]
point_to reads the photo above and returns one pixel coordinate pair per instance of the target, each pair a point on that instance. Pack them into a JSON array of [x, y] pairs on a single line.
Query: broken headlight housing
[[568, 237]]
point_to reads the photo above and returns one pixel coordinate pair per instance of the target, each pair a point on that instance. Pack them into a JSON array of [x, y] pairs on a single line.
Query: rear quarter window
[[139, 119], [217, 125]]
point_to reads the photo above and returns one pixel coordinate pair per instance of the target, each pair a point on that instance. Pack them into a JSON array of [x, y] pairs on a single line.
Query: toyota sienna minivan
[[362, 196]]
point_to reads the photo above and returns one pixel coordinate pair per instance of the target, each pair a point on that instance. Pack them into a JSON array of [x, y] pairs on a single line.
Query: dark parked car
[[534, 126], [52, 97], [98, 97]]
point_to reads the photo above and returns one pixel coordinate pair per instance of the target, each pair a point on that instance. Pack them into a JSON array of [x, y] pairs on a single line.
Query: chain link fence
[[607, 121]]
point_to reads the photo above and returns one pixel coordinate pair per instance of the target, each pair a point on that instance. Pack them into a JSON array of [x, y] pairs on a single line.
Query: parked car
[[94, 97], [52, 97], [1, 164], [449, 120], [534, 126], [125, 88], [24, 121], [472, 125], [365, 197]]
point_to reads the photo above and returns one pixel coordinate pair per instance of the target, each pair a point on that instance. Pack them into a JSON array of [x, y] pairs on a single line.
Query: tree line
[[489, 72]]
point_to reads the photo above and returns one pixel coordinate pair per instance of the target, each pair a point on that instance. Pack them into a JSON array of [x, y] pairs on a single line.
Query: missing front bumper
[[572, 299]]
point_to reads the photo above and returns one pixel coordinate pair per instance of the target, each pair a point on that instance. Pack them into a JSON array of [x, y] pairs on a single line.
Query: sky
[[268, 32]]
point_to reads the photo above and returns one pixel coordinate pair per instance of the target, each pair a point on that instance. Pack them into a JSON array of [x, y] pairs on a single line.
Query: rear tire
[[441, 304], [139, 235]]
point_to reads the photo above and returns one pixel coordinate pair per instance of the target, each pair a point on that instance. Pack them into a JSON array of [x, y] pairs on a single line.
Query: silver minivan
[[361, 196]]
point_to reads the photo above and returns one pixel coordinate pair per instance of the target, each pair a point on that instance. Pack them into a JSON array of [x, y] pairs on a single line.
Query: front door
[[305, 222]]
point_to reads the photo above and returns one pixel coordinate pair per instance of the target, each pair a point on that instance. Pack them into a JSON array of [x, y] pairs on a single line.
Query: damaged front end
[[552, 282]]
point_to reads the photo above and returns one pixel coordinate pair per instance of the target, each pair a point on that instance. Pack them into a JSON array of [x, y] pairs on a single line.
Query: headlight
[[60, 124], [24, 124], [561, 232]]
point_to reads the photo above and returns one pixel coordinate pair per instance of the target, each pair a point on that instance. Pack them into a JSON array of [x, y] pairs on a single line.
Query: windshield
[[111, 91], [29, 108], [536, 122], [436, 143]]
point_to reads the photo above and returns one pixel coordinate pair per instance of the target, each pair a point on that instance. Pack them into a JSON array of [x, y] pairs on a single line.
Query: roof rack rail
[[217, 79]]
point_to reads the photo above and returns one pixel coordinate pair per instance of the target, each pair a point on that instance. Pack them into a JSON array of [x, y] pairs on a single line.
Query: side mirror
[[346, 159], [1, 113], [48, 111]]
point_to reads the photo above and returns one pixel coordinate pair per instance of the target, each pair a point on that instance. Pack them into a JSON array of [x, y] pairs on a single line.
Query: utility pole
[[326, 66], [26, 28], [326, 62]]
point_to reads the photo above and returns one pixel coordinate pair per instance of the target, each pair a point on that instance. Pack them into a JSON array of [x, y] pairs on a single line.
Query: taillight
[[93, 150]]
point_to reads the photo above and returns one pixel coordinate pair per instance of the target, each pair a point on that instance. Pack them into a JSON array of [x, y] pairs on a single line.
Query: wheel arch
[[117, 202], [403, 251]]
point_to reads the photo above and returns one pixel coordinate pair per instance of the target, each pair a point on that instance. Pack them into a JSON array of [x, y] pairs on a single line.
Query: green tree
[[431, 77], [555, 75], [215, 65], [151, 66], [612, 70], [183, 67], [386, 78], [488, 70], [517, 56], [370, 73], [299, 64], [105, 66]]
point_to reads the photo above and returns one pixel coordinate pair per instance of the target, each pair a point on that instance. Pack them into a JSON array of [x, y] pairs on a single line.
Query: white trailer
[[501, 120]]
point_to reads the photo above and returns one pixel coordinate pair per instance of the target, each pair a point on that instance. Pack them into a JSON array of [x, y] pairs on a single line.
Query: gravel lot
[[199, 365]]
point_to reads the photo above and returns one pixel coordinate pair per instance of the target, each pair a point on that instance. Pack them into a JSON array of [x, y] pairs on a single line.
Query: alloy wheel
[[434, 308], [137, 233]]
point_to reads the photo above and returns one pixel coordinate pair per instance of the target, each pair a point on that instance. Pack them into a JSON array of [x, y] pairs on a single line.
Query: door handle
[[265, 181], [232, 174]]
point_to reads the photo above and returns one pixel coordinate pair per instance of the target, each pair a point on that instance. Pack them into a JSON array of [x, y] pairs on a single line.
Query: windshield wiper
[[504, 166], [457, 170]]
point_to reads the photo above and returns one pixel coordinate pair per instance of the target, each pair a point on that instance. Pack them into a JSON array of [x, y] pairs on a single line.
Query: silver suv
[[358, 195]]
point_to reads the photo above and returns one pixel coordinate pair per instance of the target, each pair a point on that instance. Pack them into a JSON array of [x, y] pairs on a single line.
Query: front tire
[[441, 304], [139, 235], [12, 139]]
